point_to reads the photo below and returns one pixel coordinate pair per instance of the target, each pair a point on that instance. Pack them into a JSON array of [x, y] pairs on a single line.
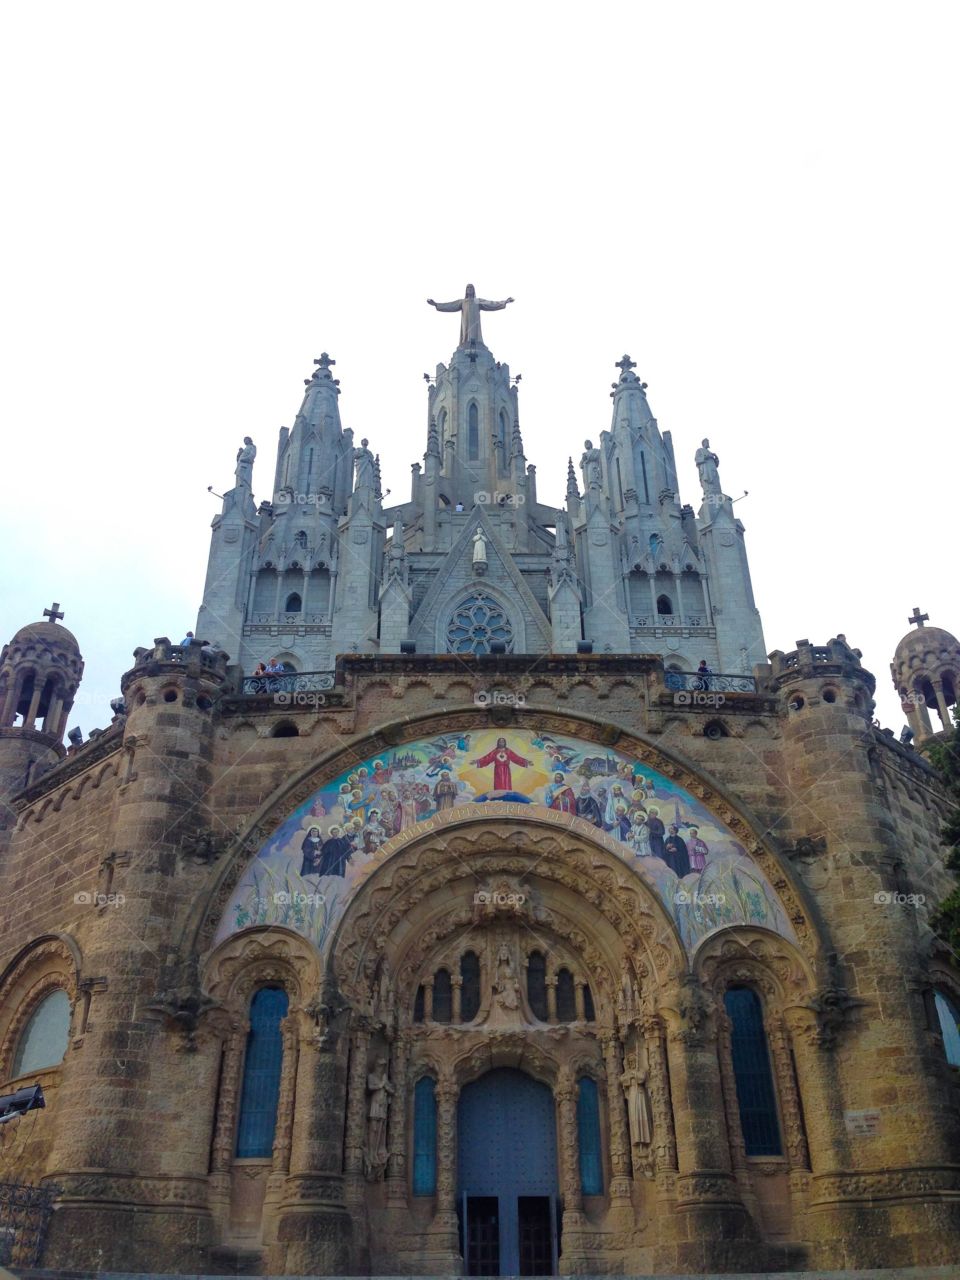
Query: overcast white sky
[[758, 202]]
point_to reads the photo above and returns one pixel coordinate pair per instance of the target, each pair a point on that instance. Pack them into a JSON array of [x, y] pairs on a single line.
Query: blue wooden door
[[507, 1143]]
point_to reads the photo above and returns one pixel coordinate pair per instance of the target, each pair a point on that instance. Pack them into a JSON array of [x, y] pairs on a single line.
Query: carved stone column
[[620, 1182], [443, 1246], [551, 985], [456, 983], [397, 1132], [290, 1030], [356, 1105], [709, 1205], [315, 1234], [664, 1136], [227, 1102], [224, 1134], [794, 1138], [731, 1107], [581, 1004], [574, 1257]]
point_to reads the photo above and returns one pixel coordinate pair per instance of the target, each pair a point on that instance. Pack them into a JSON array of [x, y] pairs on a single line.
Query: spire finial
[[53, 613], [626, 364], [918, 618], [573, 489]]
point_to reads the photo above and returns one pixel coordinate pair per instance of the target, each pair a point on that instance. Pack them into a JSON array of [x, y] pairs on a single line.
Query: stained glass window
[[476, 622], [261, 1074], [470, 989], [949, 1028], [751, 1068], [537, 984], [43, 1041], [442, 996], [588, 1136], [424, 1137], [566, 997]]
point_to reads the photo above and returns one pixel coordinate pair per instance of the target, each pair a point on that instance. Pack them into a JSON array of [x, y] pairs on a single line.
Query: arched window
[[419, 1005], [425, 1137], [473, 432], [949, 1027], [502, 438], [751, 1069], [537, 984], [261, 1074], [294, 603], [589, 1012], [442, 996], [300, 537], [43, 1041], [566, 997], [470, 989], [664, 606], [588, 1137]]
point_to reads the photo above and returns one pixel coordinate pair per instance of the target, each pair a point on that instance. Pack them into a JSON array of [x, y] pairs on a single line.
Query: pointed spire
[[573, 491], [322, 372], [377, 482], [516, 441], [433, 439]]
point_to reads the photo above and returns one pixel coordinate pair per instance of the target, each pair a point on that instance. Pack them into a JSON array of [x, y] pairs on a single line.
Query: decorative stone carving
[[380, 1090]]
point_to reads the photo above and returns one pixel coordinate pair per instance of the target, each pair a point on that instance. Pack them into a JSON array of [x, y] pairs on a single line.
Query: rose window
[[476, 623]]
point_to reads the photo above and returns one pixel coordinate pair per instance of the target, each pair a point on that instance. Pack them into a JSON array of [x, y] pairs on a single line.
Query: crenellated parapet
[[811, 662]]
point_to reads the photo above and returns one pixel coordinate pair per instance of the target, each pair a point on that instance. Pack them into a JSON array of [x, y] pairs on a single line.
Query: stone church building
[[475, 893]]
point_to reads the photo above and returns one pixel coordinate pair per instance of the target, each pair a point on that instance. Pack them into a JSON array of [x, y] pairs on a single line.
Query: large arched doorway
[[507, 1175]]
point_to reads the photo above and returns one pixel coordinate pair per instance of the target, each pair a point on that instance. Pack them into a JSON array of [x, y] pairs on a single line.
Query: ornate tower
[[926, 673], [474, 560], [40, 672]]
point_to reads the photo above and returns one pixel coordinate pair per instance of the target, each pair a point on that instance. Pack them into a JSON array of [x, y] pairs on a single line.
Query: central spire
[[470, 307]]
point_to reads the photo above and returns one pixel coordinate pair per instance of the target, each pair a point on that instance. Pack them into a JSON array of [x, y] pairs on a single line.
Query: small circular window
[[476, 623]]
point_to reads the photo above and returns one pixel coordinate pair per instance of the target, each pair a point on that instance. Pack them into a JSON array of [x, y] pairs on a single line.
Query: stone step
[[946, 1272]]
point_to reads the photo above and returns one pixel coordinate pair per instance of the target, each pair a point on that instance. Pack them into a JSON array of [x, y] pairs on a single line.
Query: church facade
[[475, 894]]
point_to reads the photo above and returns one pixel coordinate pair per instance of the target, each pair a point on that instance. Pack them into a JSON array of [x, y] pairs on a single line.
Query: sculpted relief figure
[[506, 987], [639, 1111], [590, 462], [363, 461], [707, 464], [379, 1089], [470, 307], [245, 456]]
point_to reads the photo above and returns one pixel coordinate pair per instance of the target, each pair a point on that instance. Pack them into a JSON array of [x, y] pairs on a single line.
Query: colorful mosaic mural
[[306, 872]]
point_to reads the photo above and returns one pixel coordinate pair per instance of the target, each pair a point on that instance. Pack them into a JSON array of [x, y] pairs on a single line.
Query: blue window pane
[[424, 1137], [948, 1028], [470, 988], [566, 997], [261, 1074], [751, 1068], [537, 984], [588, 1135], [44, 1039], [442, 996]]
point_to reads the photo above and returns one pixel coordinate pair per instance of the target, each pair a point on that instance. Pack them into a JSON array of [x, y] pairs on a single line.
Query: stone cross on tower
[[53, 613], [626, 364], [918, 617]]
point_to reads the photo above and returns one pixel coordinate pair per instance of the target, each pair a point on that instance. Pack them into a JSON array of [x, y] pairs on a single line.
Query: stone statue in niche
[[639, 1110], [506, 987], [380, 1090], [479, 552]]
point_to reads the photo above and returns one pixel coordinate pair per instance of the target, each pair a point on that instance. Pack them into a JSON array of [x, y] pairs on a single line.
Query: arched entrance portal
[[507, 1172]]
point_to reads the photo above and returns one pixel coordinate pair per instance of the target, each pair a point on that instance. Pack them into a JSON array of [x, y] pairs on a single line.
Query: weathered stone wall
[[134, 1133]]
